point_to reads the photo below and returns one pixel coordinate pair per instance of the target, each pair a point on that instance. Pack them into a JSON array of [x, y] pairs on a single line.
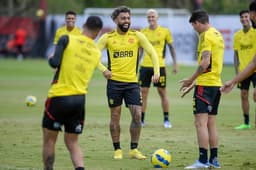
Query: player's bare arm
[[174, 59], [187, 84], [204, 64], [229, 85], [246, 72], [236, 61]]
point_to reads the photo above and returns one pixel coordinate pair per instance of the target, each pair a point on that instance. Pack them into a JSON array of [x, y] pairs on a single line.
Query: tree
[[17, 7]]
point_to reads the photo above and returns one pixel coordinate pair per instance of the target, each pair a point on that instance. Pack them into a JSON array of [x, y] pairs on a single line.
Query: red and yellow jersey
[[123, 54], [79, 60], [63, 31], [244, 44], [158, 38], [212, 41]]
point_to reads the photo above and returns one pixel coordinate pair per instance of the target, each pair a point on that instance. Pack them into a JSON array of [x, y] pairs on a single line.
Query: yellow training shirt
[[79, 60], [123, 54], [244, 44], [211, 40], [63, 31], [158, 38]]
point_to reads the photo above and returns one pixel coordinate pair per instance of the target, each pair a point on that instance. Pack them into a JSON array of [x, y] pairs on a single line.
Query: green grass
[[21, 134]]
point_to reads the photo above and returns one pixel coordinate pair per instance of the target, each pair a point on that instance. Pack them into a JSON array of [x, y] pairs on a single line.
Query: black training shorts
[[245, 84], [117, 91], [146, 74], [67, 110], [206, 100]]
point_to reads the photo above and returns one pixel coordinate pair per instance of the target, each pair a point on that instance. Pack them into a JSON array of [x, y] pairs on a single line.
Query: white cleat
[[197, 165], [167, 124]]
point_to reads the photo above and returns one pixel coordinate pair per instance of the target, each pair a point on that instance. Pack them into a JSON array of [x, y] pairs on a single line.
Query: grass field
[[21, 135]]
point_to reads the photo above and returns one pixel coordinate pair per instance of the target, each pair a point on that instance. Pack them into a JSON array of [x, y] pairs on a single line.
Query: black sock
[[116, 145], [142, 116], [246, 119], [203, 155], [79, 168], [213, 154], [134, 145], [166, 116]]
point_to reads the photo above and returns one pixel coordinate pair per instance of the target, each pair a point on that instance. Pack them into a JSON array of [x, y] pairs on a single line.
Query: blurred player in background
[[244, 51], [16, 44], [20, 40], [69, 28], [123, 46], [207, 95], [251, 67], [76, 58], [159, 38]]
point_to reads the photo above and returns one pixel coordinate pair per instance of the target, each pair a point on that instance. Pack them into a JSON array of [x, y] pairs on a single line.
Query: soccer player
[[244, 50], [68, 28], [159, 37], [251, 67], [123, 58], [20, 40], [207, 95], [75, 59]]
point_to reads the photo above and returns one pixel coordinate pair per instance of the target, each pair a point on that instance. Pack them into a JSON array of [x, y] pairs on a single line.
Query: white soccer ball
[[30, 101], [161, 158]]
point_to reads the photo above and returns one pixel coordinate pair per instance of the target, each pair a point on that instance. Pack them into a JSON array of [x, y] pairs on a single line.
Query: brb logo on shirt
[[120, 54]]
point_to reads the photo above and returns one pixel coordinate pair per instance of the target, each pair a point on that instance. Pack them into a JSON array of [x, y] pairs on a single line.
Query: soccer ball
[[30, 101], [161, 158], [39, 13]]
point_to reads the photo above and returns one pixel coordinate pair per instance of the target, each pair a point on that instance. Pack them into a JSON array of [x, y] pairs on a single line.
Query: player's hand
[[186, 86], [227, 87], [155, 78], [186, 90], [107, 74], [50, 56], [185, 83], [175, 69]]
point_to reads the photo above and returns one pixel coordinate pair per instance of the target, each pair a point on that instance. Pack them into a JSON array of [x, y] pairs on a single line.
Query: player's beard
[[122, 28], [253, 24]]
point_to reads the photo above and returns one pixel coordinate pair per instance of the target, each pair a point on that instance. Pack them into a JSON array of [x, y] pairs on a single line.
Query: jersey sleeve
[[169, 38], [101, 44], [56, 37], [62, 44], [235, 43], [206, 43], [150, 50]]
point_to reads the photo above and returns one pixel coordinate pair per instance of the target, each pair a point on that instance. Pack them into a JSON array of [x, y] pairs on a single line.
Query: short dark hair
[[243, 12], [200, 16], [93, 23], [70, 13], [252, 6], [118, 10]]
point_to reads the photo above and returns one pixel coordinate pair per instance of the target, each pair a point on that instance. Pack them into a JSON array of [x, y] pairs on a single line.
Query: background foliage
[[28, 7]]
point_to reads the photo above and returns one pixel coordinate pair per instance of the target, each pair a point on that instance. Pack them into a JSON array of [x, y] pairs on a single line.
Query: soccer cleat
[[167, 124], [215, 163], [142, 124], [118, 154], [197, 165], [136, 154], [243, 126]]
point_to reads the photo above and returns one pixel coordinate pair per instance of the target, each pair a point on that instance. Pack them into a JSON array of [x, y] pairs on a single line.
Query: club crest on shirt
[[131, 40]]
